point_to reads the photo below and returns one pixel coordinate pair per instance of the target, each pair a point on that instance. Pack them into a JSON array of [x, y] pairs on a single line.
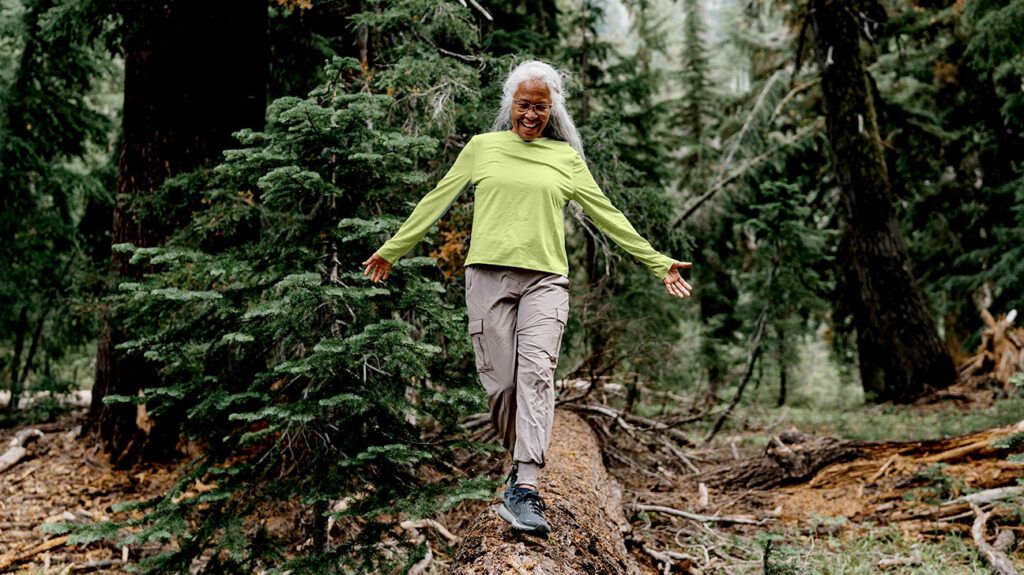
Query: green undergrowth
[[888, 422], [867, 549], [861, 551]]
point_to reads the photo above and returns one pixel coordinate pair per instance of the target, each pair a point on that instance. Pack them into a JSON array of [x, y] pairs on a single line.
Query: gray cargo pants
[[516, 320]]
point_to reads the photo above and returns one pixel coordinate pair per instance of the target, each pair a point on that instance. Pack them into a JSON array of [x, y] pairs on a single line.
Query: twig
[[744, 520], [755, 352], [680, 455], [987, 496], [435, 525], [10, 559], [996, 559], [624, 419], [881, 470], [664, 559]]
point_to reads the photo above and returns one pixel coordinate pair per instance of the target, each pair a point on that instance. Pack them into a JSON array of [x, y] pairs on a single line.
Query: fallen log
[[782, 464], [583, 508]]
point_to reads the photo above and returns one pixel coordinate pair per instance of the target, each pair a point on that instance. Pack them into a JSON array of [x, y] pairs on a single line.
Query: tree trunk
[[906, 355], [194, 73], [584, 510]]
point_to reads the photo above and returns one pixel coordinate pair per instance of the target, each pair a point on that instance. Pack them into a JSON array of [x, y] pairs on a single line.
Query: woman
[[525, 171]]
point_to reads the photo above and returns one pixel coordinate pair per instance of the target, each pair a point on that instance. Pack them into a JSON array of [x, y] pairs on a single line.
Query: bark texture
[[584, 510], [194, 73], [901, 355]]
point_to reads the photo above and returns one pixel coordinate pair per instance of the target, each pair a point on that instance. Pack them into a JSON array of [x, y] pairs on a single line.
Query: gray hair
[[560, 125]]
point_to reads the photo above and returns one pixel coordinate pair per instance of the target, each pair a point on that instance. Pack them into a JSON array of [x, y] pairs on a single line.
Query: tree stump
[[583, 507]]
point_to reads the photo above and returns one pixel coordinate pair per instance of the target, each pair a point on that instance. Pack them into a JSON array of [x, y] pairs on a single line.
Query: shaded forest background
[[187, 189]]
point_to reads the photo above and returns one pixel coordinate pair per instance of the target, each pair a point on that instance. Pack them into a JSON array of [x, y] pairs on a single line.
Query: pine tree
[[52, 148], [304, 383]]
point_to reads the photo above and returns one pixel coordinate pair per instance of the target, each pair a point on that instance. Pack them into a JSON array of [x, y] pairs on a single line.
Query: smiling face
[[530, 124]]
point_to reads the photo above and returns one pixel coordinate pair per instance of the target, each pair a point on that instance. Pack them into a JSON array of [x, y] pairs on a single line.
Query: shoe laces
[[512, 476], [531, 497]]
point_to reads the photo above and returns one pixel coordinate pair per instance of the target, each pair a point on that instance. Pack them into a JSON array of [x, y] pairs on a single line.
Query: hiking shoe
[[523, 508]]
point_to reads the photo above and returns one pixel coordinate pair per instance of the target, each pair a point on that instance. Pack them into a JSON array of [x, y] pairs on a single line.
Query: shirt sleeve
[[431, 207], [612, 222]]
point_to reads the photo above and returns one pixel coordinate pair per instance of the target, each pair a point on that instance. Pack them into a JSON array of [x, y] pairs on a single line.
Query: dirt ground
[[64, 478]]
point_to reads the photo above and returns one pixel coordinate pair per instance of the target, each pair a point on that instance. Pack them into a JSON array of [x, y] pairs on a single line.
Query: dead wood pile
[[584, 510], [920, 486], [999, 356]]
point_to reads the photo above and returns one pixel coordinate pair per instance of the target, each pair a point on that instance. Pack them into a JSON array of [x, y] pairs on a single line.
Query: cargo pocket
[[476, 333], [563, 316]]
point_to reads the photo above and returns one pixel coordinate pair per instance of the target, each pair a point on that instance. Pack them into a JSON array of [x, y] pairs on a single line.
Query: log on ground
[[583, 508]]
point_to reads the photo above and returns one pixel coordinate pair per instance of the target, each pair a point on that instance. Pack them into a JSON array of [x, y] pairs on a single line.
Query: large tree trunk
[[902, 355], [194, 73], [584, 510]]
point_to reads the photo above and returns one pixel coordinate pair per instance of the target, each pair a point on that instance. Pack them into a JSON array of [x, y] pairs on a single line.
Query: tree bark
[[194, 73], [901, 355], [584, 510]]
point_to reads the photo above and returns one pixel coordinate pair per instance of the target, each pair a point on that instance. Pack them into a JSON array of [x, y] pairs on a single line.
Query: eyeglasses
[[523, 106]]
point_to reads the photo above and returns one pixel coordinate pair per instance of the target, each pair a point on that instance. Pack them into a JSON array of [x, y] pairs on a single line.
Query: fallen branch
[[435, 525], [755, 352], [987, 496], [996, 559], [16, 448], [12, 558], [628, 418], [741, 519]]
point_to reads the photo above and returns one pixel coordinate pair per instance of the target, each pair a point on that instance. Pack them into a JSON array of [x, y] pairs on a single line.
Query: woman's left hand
[[674, 283]]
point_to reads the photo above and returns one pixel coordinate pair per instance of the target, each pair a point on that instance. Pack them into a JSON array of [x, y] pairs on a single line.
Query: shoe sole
[[507, 515]]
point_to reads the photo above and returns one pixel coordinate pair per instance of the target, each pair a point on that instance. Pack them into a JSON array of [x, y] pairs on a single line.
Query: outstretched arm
[[614, 224], [427, 211]]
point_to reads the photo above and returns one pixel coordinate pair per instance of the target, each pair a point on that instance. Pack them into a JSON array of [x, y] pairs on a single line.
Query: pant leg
[[542, 314], [492, 296]]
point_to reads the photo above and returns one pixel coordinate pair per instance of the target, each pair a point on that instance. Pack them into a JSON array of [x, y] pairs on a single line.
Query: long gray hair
[[560, 125]]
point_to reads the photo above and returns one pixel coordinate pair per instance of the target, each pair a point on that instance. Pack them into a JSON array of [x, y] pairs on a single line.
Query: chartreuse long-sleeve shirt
[[521, 189]]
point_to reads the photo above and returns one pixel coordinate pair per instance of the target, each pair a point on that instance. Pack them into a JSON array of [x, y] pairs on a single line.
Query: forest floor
[[857, 490]]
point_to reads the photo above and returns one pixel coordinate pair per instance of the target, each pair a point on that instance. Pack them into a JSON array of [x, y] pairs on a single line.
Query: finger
[[684, 265], [673, 289], [387, 273], [686, 284]]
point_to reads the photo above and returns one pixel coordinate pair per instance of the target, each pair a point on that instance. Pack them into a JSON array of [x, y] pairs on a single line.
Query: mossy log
[[584, 510]]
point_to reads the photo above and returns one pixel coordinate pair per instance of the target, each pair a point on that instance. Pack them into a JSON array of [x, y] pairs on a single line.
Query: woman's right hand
[[379, 267]]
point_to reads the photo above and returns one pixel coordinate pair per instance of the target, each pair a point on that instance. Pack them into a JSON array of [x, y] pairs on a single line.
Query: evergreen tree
[[303, 382], [52, 145]]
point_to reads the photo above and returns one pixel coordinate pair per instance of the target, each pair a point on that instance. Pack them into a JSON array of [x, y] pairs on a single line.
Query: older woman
[[525, 171]]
